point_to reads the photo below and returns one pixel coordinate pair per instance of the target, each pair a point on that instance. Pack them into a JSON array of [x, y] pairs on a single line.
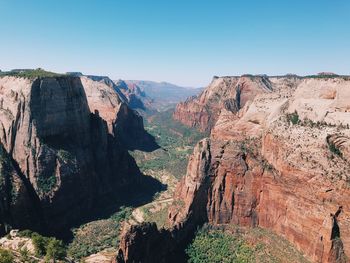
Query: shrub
[[334, 149], [293, 117], [39, 243], [32, 73], [97, 235], [46, 184], [55, 249], [65, 156], [24, 255], [216, 246], [6, 256], [25, 233]]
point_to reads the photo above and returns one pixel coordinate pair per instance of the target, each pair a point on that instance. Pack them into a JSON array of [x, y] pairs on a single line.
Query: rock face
[[229, 93], [136, 97], [281, 162], [123, 122], [60, 154]]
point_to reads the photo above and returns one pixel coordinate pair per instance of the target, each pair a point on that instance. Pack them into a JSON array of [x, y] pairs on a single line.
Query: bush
[[6, 256], [32, 73], [49, 247], [25, 233], [334, 149], [65, 156], [40, 244], [97, 235], [24, 255], [46, 184], [293, 117], [55, 249], [216, 246]]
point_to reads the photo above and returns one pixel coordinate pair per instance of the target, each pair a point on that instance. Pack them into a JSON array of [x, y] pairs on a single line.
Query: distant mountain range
[[161, 95]]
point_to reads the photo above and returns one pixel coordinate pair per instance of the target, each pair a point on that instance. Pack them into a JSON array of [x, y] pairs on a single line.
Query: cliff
[[60, 156], [280, 161], [230, 93]]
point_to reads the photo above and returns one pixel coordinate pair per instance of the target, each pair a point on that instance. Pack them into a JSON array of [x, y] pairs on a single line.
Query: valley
[[220, 177], [178, 131]]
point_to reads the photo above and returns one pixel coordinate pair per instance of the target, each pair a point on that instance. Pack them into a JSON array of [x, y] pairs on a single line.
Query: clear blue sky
[[180, 41]]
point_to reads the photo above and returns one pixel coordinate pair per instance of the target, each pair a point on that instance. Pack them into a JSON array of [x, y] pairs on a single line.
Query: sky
[[185, 42]]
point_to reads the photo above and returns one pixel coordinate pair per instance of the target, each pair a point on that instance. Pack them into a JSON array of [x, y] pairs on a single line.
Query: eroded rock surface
[[60, 154], [280, 162]]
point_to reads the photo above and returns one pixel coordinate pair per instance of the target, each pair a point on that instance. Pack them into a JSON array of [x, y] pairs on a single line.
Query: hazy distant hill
[[164, 94]]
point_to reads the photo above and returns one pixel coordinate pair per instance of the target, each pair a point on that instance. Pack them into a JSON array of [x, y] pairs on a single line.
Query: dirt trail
[[163, 200]]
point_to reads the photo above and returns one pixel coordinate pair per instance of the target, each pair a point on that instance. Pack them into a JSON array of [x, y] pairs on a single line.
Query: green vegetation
[[160, 217], [31, 73], [48, 247], [6, 256], [293, 117], [231, 244], [65, 156], [327, 76], [25, 255], [333, 148], [97, 235], [46, 184], [218, 247], [176, 142], [39, 243], [55, 249], [295, 120]]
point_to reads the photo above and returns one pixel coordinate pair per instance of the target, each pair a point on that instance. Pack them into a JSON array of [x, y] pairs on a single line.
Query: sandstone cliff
[[59, 153], [279, 161], [230, 93], [123, 122]]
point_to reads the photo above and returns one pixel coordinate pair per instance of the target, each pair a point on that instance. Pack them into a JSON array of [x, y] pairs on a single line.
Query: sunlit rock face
[[279, 161], [60, 154]]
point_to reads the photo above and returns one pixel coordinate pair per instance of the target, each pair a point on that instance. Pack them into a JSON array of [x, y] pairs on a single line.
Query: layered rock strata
[[60, 155], [280, 162]]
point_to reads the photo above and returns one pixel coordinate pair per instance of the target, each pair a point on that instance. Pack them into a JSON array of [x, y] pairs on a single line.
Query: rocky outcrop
[[136, 97], [123, 122], [229, 93], [281, 163], [60, 156]]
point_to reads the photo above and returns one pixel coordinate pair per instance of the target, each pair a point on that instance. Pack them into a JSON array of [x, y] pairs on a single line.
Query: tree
[[24, 255], [6, 256], [55, 249], [39, 243]]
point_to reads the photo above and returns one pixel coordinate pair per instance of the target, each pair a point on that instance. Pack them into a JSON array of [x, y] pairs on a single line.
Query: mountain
[[63, 150], [277, 158], [163, 95]]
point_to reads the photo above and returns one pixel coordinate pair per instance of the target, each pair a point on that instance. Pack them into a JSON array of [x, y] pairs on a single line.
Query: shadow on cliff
[[138, 140], [132, 196], [130, 131]]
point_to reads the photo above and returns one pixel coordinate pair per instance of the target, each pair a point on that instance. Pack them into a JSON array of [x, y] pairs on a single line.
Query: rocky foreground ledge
[[277, 157]]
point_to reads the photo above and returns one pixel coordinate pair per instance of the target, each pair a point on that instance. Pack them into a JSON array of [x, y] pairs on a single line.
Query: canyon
[[277, 158]]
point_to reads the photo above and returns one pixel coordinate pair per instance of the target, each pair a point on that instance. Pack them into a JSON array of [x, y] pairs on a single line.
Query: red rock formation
[[262, 168], [60, 156], [230, 93]]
